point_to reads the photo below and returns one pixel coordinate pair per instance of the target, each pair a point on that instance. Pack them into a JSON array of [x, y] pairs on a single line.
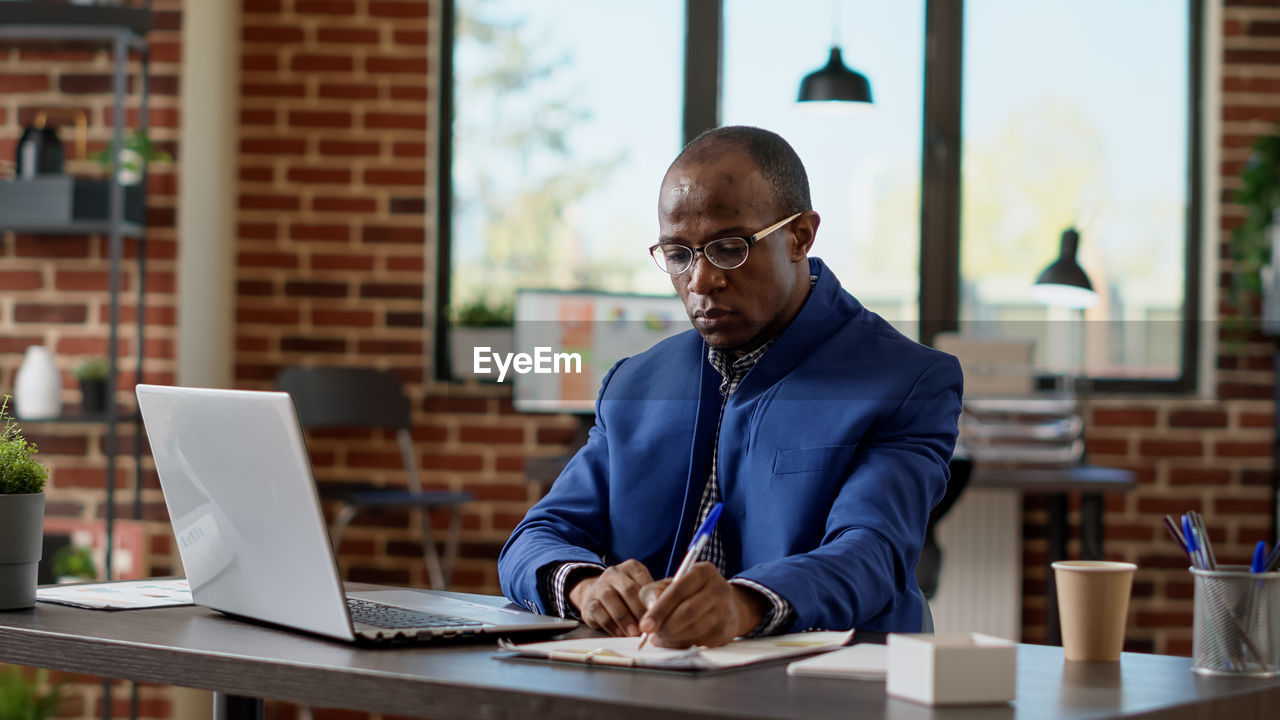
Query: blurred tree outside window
[[561, 134]]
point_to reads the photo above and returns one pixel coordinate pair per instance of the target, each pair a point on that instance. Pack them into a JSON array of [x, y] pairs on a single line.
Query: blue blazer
[[833, 450]]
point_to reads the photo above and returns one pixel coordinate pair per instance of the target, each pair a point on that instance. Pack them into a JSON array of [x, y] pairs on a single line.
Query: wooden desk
[[1088, 480], [200, 648]]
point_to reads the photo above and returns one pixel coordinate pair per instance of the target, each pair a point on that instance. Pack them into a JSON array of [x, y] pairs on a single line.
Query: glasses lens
[[672, 258], [727, 253]]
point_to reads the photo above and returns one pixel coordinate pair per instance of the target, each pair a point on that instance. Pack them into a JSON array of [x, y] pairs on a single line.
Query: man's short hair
[[777, 160]]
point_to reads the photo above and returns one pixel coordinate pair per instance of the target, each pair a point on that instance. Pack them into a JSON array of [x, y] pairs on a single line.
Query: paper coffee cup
[[1093, 604]]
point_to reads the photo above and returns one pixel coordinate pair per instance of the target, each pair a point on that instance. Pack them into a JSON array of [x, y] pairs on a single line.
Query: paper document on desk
[[126, 595], [622, 652], [860, 662]]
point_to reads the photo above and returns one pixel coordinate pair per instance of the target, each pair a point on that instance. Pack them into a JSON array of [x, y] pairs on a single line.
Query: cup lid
[[1094, 565]]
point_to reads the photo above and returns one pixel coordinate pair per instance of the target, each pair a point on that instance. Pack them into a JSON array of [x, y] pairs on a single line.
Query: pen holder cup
[[1237, 622]]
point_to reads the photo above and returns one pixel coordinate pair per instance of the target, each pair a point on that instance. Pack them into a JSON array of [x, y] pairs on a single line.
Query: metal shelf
[[98, 419], [88, 227], [120, 30], [59, 21]]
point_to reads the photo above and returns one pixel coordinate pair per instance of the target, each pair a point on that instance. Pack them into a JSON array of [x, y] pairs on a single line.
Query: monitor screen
[[571, 339]]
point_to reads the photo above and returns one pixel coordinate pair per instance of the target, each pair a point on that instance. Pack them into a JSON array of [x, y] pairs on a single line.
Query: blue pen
[[1273, 560], [1189, 533], [700, 540], [1259, 558]]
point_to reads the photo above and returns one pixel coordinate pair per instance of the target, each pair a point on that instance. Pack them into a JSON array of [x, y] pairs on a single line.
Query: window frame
[[940, 196]]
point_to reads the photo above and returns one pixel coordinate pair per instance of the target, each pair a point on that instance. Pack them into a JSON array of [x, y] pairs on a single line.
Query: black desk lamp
[[1064, 283]]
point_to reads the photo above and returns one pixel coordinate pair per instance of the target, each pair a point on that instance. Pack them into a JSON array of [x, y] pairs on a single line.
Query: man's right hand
[[611, 601]]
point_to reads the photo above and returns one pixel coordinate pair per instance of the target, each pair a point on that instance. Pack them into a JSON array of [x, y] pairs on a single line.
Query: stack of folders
[[1025, 431]]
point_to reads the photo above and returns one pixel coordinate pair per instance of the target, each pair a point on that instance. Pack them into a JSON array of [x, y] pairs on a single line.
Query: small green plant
[[74, 561], [479, 313], [137, 142], [20, 474], [1259, 195], [91, 369], [28, 699]]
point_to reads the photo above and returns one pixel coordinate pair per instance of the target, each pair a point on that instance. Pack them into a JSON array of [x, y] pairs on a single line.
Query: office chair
[[328, 397], [929, 567]]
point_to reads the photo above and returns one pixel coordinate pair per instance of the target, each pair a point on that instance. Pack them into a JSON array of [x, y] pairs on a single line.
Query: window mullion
[[940, 171], [704, 21]]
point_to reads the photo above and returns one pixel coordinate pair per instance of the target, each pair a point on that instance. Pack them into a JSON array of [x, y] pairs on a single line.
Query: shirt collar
[[733, 366]]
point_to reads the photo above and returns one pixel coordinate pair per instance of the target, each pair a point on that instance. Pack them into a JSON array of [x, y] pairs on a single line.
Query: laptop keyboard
[[386, 616]]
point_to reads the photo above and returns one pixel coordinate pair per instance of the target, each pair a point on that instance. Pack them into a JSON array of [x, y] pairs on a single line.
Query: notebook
[[623, 652], [867, 661]]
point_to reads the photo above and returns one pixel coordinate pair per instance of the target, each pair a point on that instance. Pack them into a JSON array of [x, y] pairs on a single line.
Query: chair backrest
[[346, 397]]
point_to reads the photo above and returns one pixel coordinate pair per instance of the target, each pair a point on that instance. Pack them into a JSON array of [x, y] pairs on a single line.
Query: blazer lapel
[[827, 309], [704, 436]]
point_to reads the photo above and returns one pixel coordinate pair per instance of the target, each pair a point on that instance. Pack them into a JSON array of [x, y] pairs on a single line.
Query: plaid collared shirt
[[732, 370]]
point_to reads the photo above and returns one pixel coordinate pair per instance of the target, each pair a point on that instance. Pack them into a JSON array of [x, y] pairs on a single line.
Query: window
[[544, 194], [863, 165], [1063, 113], [1078, 121]]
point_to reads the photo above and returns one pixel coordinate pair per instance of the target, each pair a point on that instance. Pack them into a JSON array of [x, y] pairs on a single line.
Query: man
[[824, 431]]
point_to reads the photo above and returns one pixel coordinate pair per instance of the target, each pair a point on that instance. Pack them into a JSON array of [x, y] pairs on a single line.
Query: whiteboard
[[600, 328]]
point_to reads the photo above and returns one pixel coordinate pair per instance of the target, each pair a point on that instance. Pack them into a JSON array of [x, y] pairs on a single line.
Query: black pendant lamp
[[1064, 283], [835, 83]]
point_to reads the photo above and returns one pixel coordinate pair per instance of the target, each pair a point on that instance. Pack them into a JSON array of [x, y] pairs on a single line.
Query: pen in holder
[[1236, 615]]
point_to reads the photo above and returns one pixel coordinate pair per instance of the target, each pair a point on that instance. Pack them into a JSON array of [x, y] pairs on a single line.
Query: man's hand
[[702, 608], [611, 601]]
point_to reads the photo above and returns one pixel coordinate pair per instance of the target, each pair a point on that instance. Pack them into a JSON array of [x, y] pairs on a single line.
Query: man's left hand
[[701, 608]]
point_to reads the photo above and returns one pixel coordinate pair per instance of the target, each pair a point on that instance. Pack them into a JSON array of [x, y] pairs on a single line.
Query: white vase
[[37, 390]]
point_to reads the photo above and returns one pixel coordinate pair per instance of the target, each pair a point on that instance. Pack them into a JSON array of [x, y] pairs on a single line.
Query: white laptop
[[237, 481]]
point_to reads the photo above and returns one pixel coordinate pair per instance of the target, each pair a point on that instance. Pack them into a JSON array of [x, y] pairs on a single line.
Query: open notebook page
[[623, 652]]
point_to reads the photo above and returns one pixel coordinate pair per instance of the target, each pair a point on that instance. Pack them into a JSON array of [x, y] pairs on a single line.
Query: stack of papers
[[860, 662], [623, 652], [127, 595]]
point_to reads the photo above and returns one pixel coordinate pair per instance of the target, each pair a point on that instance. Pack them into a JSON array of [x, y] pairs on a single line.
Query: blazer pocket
[[815, 459]]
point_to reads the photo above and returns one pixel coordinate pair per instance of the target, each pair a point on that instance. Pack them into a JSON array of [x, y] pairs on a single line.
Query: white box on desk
[[952, 669]]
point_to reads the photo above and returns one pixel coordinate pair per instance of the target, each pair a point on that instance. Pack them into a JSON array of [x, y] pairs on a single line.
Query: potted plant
[[22, 482], [28, 699], [136, 153], [1253, 242], [72, 563], [479, 324], [92, 374]]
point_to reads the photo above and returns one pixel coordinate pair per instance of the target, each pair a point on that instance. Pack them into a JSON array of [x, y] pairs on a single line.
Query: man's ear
[[804, 230]]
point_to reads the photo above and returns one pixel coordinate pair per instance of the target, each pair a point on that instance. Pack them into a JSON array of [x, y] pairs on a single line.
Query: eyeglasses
[[725, 253]]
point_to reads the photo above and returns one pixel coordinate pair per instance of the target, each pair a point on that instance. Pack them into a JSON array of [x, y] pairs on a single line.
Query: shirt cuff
[[777, 616], [559, 579]]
